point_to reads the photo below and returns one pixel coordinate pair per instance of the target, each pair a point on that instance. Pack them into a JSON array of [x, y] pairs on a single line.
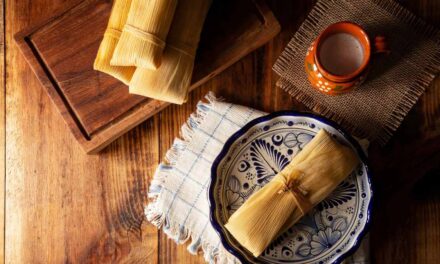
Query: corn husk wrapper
[[143, 38], [117, 20], [171, 81], [307, 180]]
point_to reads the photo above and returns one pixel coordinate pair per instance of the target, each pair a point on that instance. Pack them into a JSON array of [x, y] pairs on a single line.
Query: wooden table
[[62, 205]]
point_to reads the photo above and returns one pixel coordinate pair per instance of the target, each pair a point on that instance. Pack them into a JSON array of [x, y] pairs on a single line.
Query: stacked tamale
[[151, 44]]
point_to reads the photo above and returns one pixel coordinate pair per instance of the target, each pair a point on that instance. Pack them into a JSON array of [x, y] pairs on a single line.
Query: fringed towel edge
[[181, 234]]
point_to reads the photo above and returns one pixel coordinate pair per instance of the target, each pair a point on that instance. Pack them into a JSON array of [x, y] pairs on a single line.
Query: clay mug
[[339, 59]]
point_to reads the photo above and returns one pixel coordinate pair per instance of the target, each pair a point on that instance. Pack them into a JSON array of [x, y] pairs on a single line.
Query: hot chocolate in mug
[[339, 59]]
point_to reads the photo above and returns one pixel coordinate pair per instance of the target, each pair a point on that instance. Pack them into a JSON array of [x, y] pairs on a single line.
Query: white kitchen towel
[[178, 192]]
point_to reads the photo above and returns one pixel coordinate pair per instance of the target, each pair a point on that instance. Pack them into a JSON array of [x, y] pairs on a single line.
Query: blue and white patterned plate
[[256, 153]]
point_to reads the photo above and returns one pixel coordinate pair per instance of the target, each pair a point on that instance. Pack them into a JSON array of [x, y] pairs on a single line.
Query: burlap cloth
[[376, 109]]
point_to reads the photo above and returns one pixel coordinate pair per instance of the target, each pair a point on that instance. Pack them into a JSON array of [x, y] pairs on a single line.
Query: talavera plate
[[258, 151]]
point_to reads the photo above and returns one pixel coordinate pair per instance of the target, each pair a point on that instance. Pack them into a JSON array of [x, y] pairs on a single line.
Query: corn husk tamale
[[171, 81], [143, 38], [117, 20], [307, 180]]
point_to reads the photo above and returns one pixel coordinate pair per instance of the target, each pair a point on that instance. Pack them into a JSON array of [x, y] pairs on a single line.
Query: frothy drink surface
[[341, 54]]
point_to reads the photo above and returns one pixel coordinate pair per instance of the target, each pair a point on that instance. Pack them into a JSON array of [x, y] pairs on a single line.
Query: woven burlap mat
[[376, 109]]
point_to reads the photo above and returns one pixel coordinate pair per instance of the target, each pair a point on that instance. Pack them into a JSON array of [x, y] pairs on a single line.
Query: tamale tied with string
[[307, 180], [117, 20], [171, 81], [143, 37]]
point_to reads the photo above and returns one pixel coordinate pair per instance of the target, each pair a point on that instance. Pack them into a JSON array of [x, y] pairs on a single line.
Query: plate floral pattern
[[257, 153]]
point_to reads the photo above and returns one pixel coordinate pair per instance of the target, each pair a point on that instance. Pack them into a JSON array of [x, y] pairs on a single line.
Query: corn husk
[[118, 17], [143, 38], [171, 81], [307, 180]]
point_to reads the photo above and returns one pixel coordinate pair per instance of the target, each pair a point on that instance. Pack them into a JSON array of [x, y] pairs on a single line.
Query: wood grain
[[97, 107], [410, 235], [129, 165], [2, 134], [63, 206], [68, 45]]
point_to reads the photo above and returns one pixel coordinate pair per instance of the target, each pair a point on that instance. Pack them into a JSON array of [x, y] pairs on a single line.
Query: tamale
[[116, 22], [143, 38], [307, 180], [171, 81]]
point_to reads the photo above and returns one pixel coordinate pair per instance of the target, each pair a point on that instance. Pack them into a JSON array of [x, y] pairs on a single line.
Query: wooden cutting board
[[97, 107]]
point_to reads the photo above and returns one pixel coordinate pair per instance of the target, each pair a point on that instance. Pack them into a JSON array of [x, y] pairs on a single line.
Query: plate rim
[[212, 206]]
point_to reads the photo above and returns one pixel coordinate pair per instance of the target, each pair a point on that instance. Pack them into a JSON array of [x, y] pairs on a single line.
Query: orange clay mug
[[338, 60]]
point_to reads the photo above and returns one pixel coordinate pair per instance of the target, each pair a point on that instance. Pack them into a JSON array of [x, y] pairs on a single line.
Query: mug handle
[[380, 45]]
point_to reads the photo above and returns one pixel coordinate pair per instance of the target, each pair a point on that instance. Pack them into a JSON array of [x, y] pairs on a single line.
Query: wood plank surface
[[414, 235], [2, 133], [67, 45], [63, 206]]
